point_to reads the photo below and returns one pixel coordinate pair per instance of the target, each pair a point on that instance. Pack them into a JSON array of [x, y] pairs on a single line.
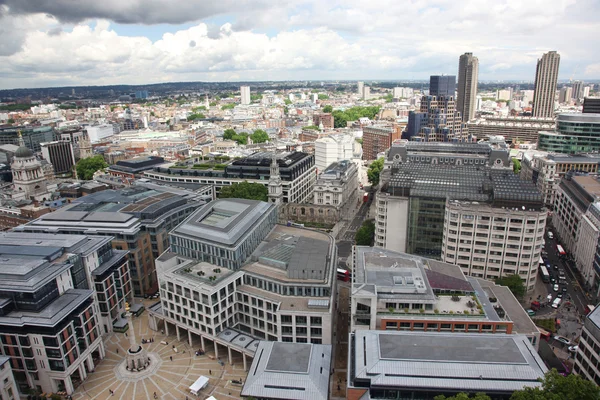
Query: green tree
[[323, 97], [229, 134], [558, 387], [352, 114], [212, 104], [287, 102], [327, 109], [516, 165], [514, 283], [313, 127], [245, 190], [255, 97], [193, 117], [241, 138], [259, 136], [228, 106], [463, 396], [388, 98], [374, 171], [11, 121], [365, 234], [199, 108], [87, 166]]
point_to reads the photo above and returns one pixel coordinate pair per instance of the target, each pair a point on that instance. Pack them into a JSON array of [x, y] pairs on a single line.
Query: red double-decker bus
[[343, 274]]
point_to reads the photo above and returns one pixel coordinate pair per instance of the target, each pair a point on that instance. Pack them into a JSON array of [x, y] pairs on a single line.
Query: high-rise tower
[[468, 73], [546, 76]]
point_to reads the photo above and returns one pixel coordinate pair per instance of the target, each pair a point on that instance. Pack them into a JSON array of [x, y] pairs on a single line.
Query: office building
[[307, 365], [574, 133], [8, 390], [546, 170], [468, 74], [377, 139], [61, 155], [591, 105], [32, 136], [337, 185], [366, 95], [297, 171], [323, 120], [514, 129], [438, 120], [233, 277], [360, 88], [57, 293], [334, 148], [134, 167], [442, 85], [546, 76], [141, 94], [97, 133], [587, 248], [577, 92], [588, 352], [137, 218], [422, 365], [565, 95], [245, 94]]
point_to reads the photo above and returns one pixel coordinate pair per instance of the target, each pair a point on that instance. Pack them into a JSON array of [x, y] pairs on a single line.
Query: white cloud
[[353, 39]]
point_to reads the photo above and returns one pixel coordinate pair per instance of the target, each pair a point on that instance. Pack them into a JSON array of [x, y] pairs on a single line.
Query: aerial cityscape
[[299, 200]]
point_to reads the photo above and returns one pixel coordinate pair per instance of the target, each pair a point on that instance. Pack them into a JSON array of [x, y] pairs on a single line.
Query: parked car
[[556, 302], [559, 295], [556, 268], [552, 280], [530, 312], [562, 339], [573, 349], [555, 287], [550, 235], [564, 289], [549, 298]]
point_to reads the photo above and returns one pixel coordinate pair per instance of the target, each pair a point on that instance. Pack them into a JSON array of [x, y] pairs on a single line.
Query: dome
[[23, 152]]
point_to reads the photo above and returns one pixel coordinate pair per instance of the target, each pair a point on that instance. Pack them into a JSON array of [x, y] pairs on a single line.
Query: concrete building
[[97, 133], [411, 365], [588, 352], [334, 148], [245, 94], [135, 167], [51, 323], [360, 88], [324, 120], [297, 171], [514, 129], [377, 139], [442, 123], [337, 185], [137, 218], [8, 389], [587, 247], [468, 75], [62, 157], [577, 92], [591, 105], [547, 169], [306, 368], [565, 95], [26, 135], [252, 281], [29, 179], [366, 95], [546, 76], [574, 133], [442, 85]]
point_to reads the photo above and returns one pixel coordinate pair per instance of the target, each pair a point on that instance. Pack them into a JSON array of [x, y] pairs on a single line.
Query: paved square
[[171, 380]]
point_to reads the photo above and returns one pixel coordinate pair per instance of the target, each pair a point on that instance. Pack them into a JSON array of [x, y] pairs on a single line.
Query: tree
[[323, 97], [195, 116], [388, 98], [374, 171], [287, 102], [259, 136], [229, 134], [11, 121], [365, 234], [558, 387], [514, 283], [327, 109], [463, 396], [516, 166], [228, 106], [242, 138], [199, 108], [313, 127], [340, 118], [86, 167], [245, 190]]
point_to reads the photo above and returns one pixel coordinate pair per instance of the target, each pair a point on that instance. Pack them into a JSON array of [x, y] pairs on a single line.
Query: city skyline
[[61, 44]]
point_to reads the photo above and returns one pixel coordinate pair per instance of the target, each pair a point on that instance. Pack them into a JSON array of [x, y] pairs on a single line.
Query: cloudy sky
[[97, 42]]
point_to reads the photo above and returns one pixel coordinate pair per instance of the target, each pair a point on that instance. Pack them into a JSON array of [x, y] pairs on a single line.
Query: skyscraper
[[546, 76], [468, 73], [361, 86], [577, 92], [442, 85], [245, 94]]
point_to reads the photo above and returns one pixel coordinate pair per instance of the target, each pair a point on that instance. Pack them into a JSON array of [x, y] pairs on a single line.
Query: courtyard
[[170, 374]]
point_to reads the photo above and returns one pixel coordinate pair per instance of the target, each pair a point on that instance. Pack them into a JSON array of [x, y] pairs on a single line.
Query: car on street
[[555, 288], [559, 295], [556, 302], [556, 268], [573, 349], [550, 235], [530, 312], [564, 289], [562, 339], [553, 280], [549, 298]]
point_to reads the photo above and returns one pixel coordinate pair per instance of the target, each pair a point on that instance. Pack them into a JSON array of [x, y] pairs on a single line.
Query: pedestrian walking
[[117, 350], [210, 371], [171, 358]]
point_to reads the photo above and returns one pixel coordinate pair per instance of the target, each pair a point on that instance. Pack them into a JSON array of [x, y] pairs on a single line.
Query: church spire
[[275, 187]]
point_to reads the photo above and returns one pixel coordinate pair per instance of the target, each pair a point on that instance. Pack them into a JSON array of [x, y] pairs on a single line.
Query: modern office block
[[574, 133], [442, 85]]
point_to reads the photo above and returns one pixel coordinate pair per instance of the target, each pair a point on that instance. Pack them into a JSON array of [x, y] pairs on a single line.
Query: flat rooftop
[[289, 371], [445, 362], [223, 221]]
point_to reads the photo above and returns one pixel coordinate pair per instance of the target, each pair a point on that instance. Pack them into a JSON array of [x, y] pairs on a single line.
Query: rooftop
[[289, 371], [445, 362], [223, 221]]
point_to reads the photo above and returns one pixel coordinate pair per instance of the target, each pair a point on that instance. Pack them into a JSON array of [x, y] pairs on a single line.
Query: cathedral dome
[[23, 152]]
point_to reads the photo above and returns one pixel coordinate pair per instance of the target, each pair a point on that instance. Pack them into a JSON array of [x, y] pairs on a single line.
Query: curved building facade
[[575, 133]]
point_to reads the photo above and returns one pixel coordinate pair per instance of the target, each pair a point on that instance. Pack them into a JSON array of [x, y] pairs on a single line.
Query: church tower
[[275, 187], [28, 175]]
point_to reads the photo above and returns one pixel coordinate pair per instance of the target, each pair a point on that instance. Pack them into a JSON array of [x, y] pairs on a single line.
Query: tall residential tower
[[546, 76], [468, 72], [245, 94]]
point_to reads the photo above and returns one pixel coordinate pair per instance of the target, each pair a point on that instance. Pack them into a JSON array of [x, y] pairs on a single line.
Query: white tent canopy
[[198, 385]]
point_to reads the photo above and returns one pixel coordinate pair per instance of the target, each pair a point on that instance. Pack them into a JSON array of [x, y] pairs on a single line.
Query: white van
[[556, 302]]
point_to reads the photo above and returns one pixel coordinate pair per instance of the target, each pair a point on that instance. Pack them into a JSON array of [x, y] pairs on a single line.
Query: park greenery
[[374, 171], [516, 166], [241, 138], [287, 102], [228, 106], [195, 116], [15, 107], [365, 234], [341, 118], [86, 167], [327, 109], [259, 136], [313, 127], [514, 283], [323, 97], [245, 190]]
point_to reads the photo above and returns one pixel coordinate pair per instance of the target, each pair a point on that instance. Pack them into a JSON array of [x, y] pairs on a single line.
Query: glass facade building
[[575, 133]]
